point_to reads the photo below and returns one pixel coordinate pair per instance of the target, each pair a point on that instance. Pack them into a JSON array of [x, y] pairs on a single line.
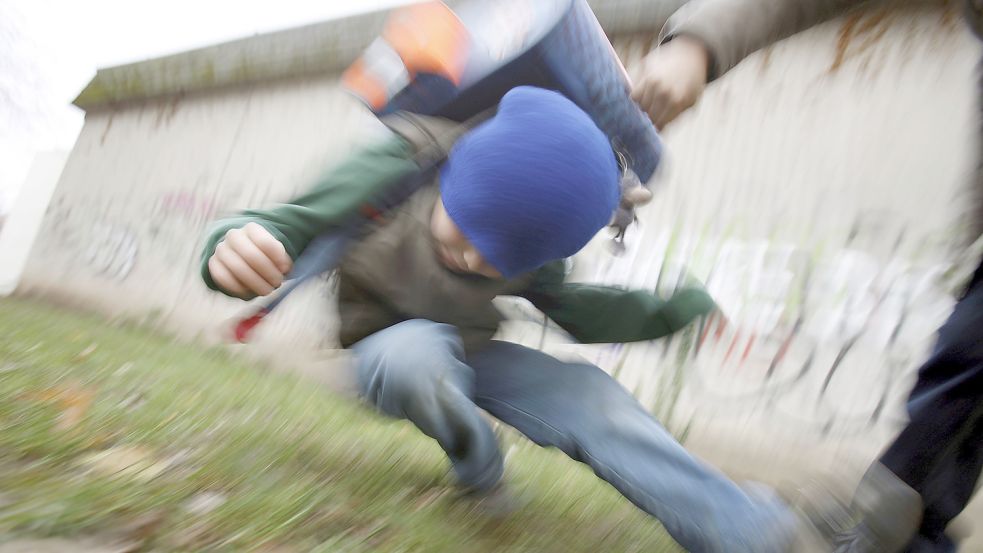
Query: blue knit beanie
[[533, 184]]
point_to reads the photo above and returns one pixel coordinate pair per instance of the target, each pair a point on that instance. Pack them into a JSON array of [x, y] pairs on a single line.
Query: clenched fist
[[249, 262], [672, 79]]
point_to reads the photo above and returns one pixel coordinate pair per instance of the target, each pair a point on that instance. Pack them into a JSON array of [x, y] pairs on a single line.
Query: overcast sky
[[50, 49]]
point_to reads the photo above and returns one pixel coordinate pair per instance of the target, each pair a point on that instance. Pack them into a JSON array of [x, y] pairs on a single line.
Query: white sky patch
[[50, 49]]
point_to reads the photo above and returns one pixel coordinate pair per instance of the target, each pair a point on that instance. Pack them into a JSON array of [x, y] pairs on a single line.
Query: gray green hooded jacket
[[392, 274]]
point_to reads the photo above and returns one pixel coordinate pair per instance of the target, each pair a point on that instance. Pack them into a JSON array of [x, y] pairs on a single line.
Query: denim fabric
[[417, 370]]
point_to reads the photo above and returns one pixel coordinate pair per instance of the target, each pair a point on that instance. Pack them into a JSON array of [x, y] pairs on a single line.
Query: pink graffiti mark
[[733, 344], [750, 345], [721, 322], [188, 205]]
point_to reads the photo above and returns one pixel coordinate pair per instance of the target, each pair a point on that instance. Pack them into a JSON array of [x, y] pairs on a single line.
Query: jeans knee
[[606, 409], [606, 392], [402, 364]]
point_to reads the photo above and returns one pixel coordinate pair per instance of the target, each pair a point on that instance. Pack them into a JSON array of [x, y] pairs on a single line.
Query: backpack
[[455, 64]]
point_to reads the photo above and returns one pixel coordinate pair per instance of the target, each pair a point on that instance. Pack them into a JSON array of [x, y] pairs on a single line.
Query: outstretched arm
[[706, 38]]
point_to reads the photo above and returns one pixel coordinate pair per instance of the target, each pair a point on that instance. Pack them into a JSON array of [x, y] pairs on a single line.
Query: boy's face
[[453, 248]]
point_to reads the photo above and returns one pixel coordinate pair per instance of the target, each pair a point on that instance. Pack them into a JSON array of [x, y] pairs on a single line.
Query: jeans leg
[[414, 370], [581, 410]]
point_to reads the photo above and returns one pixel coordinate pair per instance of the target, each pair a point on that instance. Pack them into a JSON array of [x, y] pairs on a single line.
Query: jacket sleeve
[[734, 29], [605, 314], [338, 193]]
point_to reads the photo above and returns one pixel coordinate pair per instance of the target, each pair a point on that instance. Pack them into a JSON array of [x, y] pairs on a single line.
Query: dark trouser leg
[[949, 488], [940, 452]]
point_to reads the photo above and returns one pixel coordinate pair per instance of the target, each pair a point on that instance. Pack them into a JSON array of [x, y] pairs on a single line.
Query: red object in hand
[[245, 327]]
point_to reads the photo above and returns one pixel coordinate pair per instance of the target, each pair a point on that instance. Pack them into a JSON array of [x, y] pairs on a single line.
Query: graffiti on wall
[[110, 250], [187, 205], [80, 237], [828, 341]]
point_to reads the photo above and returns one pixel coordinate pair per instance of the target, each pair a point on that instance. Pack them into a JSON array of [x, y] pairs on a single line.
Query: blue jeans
[[940, 452], [418, 370]]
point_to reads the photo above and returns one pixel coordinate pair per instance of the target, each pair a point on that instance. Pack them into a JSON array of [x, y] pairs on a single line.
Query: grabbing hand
[[673, 78], [249, 262]]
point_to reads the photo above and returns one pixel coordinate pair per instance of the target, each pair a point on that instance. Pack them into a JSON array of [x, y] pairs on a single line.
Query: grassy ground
[[113, 431]]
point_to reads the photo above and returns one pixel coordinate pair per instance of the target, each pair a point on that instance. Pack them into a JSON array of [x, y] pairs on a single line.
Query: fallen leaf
[[7, 367], [132, 401], [126, 460], [102, 439], [123, 369], [84, 354], [72, 401], [75, 408], [204, 502]]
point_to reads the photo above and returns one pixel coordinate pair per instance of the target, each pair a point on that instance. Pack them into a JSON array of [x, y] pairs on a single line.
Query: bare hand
[[672, 80], [249, 262]]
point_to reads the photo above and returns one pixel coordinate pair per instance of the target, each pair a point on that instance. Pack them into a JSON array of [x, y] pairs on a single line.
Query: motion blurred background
[[818, 191]]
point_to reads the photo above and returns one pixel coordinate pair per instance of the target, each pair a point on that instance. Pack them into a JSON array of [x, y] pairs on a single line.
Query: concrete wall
[[124, 229], [816, 189], [20, 224]]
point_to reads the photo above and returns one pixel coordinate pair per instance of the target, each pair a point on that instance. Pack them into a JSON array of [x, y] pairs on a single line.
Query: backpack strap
[[431, 137]]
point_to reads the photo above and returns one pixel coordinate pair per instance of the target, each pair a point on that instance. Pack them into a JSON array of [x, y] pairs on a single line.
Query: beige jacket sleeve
[[733, 29]]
